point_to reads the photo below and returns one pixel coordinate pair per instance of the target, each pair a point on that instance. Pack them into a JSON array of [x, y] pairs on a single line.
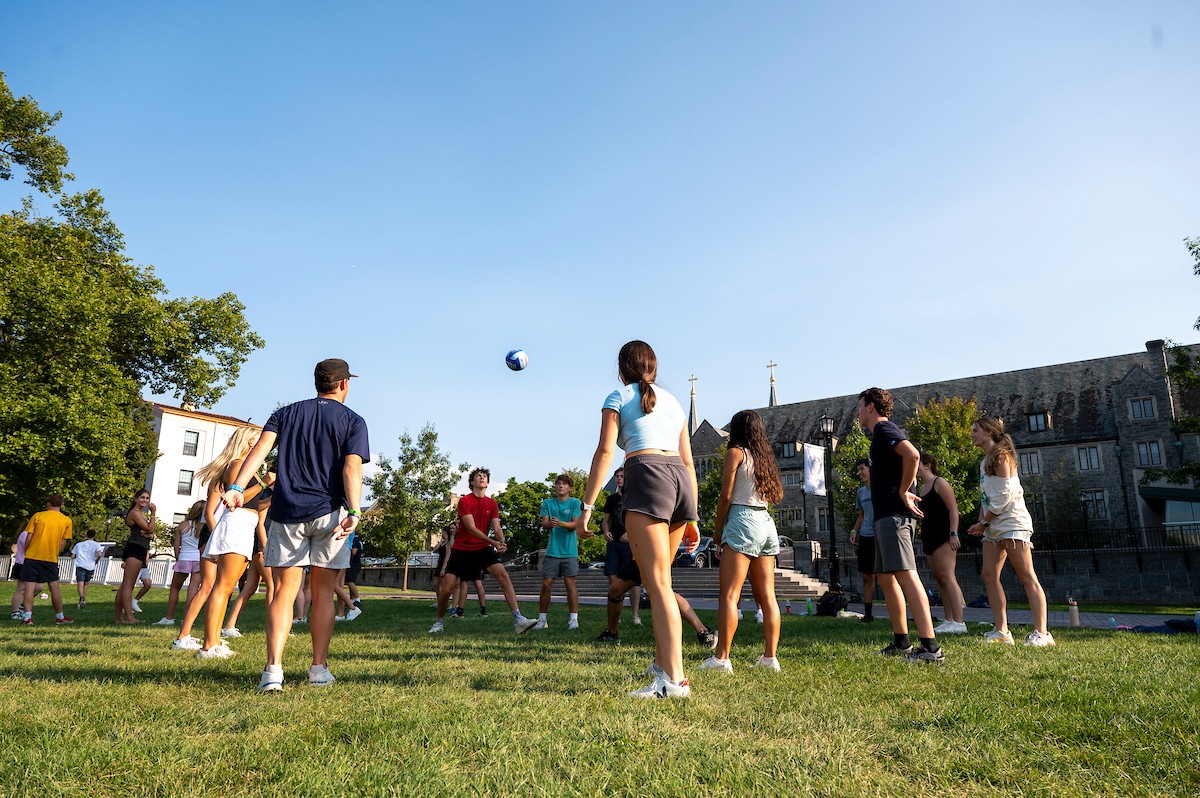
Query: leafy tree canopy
[[709, 491], [520, 506], [855, 447], [84, 332], [942, 428]]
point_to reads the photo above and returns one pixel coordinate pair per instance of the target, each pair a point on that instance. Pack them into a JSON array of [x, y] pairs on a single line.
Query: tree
[[83, 333], [520, 507], [856, 446], [411, 497], [942, 428], [709, 490]]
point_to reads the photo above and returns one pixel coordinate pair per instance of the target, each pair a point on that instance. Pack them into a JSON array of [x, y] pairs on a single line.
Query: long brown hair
[[636, 363], [746, 431], [994, 428]]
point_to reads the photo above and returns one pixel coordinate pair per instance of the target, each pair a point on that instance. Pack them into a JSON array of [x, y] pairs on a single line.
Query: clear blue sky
[[867, 193]]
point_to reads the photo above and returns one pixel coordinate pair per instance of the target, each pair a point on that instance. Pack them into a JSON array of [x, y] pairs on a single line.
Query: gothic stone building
[[1092, 425]]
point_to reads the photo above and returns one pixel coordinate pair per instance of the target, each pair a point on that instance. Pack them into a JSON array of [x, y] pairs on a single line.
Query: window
[[789, 450], [1141, 408], [1031, 463], [177, 519], [1149, 453], [1089, 458], [185, 483], [823, 519], [191, 443], [793, 478], [1094, 505], [1038, 422]]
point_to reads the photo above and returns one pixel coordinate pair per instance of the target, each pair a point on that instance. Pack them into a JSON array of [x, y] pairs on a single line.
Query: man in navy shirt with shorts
[[893, 471], [314, 509]]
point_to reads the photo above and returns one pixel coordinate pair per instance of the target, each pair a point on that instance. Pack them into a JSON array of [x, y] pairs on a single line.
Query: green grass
[[93, 709]]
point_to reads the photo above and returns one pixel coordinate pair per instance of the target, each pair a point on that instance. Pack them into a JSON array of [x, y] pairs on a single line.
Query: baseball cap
[[332, 370]]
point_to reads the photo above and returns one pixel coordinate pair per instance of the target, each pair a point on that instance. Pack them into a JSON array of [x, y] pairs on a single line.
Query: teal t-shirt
[[563, 542]]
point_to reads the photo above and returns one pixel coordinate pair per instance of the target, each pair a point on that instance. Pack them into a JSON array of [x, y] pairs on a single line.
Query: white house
[[188, 439]]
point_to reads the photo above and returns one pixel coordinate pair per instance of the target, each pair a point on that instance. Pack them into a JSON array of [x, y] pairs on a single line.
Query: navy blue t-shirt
[[886, 469], [314, 438]]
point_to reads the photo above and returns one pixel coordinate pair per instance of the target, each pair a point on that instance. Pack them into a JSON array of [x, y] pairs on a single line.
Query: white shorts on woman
[[233, 534]]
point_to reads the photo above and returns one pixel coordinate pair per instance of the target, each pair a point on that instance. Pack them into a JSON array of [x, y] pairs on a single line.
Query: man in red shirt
[[474, 552]]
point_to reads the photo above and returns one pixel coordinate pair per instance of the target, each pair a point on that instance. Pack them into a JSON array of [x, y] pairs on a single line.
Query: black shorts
[[134, 550], [630, 572], [204, 535], [16, 573], [470, 565], [615, 556], [354, 570], [660, 487], [39, 571], [866, 554]]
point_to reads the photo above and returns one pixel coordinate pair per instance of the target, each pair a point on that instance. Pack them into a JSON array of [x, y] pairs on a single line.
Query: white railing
[[109, 570]]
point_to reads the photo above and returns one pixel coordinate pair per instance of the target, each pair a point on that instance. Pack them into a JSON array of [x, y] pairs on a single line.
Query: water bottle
[[808, 607], [1073, 611], [1112, 623], [787, 608]]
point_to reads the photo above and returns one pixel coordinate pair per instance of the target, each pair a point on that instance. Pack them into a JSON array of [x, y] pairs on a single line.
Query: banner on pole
[[814, 469]]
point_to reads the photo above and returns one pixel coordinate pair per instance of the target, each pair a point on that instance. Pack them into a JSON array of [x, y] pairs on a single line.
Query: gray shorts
[[660, 487], [894, 544], [555, 567], [308, 543]]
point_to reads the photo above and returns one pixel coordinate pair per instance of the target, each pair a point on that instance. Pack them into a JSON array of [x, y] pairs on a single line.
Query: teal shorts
[[750, 531]]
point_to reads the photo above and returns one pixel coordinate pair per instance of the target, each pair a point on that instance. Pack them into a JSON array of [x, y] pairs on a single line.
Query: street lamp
[[835, 566]]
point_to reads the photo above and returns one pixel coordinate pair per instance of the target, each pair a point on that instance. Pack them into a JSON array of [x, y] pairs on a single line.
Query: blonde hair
[[1004, 448], [237, 448]]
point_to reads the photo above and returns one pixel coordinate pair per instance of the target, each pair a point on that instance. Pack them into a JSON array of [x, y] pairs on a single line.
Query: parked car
[[595, 565], [706, 555]]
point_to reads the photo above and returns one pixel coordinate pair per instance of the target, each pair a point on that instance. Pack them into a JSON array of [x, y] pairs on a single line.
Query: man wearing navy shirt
[[314, 509], [893, 471]]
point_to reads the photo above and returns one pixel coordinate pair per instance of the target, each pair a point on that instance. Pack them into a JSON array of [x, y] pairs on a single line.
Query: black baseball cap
[[333, 369]]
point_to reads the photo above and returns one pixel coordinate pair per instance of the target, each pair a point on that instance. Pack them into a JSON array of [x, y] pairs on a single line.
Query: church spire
[[774, 402], [693, 419]]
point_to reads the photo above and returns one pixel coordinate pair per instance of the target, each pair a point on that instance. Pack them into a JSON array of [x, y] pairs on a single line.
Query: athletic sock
[[541, 616], [28, 615], [59, 616], [930, 644], [574, 616], [901, 641], [868, 611], [517, 615]]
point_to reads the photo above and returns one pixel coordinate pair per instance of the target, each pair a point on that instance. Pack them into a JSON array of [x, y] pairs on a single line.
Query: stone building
[[1085, 434]]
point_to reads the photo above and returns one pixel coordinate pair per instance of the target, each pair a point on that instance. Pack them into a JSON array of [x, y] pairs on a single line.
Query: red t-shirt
[[482, 510]]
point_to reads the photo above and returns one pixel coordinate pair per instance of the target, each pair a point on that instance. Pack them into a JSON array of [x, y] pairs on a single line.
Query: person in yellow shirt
[[49, 532]]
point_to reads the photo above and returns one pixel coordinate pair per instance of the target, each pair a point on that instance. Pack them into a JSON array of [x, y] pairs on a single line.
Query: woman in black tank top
[[939, 538], [141, 520]]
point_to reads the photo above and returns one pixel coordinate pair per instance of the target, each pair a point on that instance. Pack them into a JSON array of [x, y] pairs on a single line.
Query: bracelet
[[589, 507], [953, 534], [355, 513], [238, 488]]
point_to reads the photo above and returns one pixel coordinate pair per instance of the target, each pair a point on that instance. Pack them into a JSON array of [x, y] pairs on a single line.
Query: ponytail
[[648, 398]]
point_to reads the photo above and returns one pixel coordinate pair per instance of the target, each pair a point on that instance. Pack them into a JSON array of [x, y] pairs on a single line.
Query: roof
[[192, 413]]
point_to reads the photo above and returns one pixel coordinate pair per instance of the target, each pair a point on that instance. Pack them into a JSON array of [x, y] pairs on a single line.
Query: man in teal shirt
[[560, 515]]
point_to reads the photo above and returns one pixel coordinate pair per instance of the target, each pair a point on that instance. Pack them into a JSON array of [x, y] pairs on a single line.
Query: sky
[[866, 194]]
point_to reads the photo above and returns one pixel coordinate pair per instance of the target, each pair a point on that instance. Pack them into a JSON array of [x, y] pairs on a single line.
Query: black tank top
[[935, 526], [252, 504]]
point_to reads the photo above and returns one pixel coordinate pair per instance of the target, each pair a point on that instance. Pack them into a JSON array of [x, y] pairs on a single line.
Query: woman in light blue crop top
[[659, 497]]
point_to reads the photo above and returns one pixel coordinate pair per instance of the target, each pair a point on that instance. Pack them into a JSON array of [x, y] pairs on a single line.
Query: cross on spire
[[774, 401]]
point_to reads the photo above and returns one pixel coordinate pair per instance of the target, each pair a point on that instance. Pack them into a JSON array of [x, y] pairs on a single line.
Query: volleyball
[[516, 359]]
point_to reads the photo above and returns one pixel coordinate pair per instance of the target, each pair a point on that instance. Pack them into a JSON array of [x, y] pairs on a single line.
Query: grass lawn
[[93, 709]]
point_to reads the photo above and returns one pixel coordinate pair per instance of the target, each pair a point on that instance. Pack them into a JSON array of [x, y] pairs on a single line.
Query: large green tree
[[709, 491], [942, 428], [411, 496], [84, 332], [520, 506], [855, 447]]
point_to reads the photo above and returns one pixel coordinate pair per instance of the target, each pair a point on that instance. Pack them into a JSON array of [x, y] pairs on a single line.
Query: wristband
[[238, 488], [987, 524], [953, 534], [355, 513], [589, 507]]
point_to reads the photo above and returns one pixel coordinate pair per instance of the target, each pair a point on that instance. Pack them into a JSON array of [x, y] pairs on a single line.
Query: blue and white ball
[[516, 359]]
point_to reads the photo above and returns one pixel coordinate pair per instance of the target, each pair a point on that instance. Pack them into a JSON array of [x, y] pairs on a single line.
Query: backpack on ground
[[831, 603]]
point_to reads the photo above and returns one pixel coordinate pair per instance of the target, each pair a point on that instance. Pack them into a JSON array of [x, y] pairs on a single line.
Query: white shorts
[[308, 543], [234, 533], [144, 574]]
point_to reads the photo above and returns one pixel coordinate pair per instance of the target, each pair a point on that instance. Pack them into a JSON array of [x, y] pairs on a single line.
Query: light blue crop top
[[637, 431]]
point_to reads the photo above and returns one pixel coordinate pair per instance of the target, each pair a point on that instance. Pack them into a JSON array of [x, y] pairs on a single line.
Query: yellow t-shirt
[[47, 531]]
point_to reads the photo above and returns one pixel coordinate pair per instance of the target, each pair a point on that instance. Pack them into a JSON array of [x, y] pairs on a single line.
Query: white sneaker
[[662, 687], [319, 676], [188, 643], [758, 617], [572, 624], [231, 632], [714, 664], [1039, 640], [219, 651], [998, 637], [354, 613], [950, 628], [523, 625], [299, 620], [165, 622], [540, 623], [338, 618], [136, 607], [637, 620], [770, 663], [438, 626], [271, 680]]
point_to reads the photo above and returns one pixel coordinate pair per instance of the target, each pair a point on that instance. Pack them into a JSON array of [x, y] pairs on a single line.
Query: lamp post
[[835, 566]]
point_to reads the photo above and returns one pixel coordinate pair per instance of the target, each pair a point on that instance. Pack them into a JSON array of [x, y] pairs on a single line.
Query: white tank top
[[744, 491]]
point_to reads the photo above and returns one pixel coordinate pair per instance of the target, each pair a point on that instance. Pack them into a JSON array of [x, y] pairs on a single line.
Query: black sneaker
[[894, 650], [707, 638], [867, 619], [922, 654], [606, 637], [482, 613], [460, 613]]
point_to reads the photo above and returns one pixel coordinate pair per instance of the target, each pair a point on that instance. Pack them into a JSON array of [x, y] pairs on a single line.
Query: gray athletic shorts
[[308, 543], [894, 544], [659, 486], [555, 567]]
